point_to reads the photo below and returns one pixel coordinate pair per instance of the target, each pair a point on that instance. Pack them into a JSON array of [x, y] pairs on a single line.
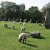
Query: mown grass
[[9, 37]]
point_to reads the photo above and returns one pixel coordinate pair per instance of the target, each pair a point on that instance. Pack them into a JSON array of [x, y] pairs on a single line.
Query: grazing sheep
[[24, 23], [20, 22], [40, 24], [23, 29], [35, 34], [25, 20], [5, 25], [13, 22], [13, 26], [22, 37]]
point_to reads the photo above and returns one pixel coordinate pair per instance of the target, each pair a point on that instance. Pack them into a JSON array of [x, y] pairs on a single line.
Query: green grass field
[[9, 37]]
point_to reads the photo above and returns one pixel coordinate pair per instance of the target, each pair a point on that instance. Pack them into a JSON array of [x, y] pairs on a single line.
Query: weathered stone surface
[[47, 21], [24, 23], [25, 20], [35, 34], [20, 20]]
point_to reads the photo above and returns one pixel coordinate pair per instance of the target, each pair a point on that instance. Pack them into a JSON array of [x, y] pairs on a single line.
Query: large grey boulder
[[35, 34], [13, 26], [47, 20]]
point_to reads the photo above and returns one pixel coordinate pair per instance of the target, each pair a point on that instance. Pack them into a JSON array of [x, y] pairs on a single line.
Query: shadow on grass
[[31, 45], [9, 28], [13, 29], [27, 32], [41, 37]]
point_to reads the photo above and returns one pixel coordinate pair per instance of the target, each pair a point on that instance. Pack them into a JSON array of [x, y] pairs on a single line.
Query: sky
[[29, 3]]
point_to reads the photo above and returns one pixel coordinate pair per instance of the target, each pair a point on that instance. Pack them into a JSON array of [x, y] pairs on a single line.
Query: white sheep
[[20, 22], [22, 37], [23, 29], [13, 26], [13, 22], [6, 25], [24, 23]]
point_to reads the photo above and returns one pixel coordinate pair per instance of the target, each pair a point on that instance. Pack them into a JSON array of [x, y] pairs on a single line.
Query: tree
[[35, 14], [6, 7], [22, 7], [2, 13], [46, 8], [12, 10]]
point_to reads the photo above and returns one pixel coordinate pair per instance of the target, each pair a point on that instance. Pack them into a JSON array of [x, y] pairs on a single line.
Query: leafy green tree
[[12, 10], [46, 8], [35, 14]]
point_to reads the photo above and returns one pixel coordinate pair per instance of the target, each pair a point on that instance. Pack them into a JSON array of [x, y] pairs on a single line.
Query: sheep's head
[[23, 29]]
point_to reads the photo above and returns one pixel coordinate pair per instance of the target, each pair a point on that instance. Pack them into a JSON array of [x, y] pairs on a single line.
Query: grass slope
[[9, 37]]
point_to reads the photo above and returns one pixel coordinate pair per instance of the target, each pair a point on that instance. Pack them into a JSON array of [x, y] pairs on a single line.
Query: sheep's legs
[[20, 40], [23, 40]]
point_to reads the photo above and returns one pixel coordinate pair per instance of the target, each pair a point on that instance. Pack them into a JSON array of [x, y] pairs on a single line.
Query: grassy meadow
[[9, 37]]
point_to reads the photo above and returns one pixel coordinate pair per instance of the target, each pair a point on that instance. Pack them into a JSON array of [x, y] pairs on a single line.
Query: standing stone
[[4, 19], [47, 21], [8, 19], [30, 20], [20, 20], [25, 20], [13, 22], [36, 22], [24, 23], [35, 34], [13, 19]]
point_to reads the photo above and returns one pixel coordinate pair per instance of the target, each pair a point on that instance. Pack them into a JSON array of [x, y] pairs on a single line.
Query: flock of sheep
[[22, 36]]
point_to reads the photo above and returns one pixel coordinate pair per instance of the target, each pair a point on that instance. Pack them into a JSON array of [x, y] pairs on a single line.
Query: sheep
[[24, 23], [5, 25], [25, 20], [13, 22], [23, 29], [29, 21], [13, 26], [20, 22], [22, 37], [40, 24]]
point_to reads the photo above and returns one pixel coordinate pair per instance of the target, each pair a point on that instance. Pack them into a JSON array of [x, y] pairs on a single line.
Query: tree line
[[10, 10]]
